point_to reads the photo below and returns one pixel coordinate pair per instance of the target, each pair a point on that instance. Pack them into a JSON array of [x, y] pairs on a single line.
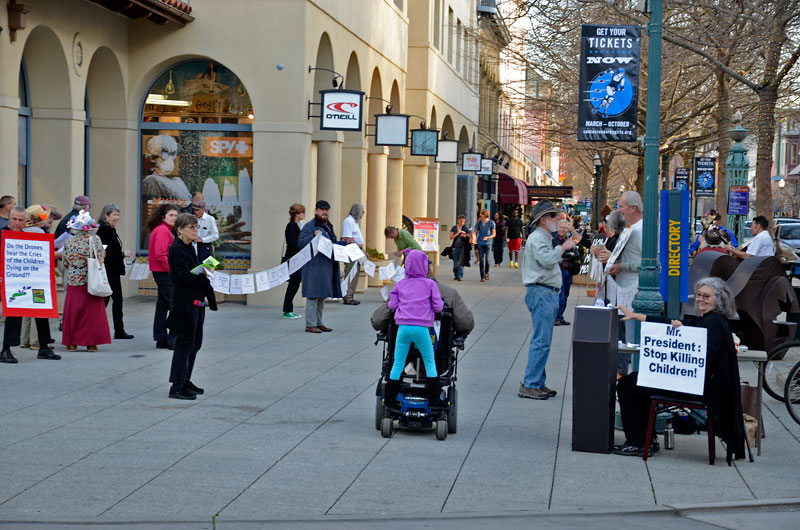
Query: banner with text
[[29, 284], [609, 83], [673, 358], [705, 170]]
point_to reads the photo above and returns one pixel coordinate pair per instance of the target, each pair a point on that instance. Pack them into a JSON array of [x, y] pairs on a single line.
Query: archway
[[354, 150], [326, 147], [54, 143], [196, 136]]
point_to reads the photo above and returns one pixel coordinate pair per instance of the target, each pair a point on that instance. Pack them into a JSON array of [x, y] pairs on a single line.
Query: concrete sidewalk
[[285, 430]]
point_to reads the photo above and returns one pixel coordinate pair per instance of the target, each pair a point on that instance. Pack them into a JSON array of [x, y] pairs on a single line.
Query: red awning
[[511, 190]]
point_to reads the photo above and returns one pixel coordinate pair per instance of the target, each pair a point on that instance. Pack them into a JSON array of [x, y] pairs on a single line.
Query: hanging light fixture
[[170, 88]]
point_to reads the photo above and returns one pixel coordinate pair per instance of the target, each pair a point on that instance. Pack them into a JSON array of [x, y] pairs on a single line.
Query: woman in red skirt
[[85, 320]]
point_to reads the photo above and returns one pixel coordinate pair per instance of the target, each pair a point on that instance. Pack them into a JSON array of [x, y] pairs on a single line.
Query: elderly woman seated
[[721, 393]]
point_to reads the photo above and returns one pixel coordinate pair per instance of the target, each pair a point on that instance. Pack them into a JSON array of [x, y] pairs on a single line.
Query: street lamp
[[596, 206]]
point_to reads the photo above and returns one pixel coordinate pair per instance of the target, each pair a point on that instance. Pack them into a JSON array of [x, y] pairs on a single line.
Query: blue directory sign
[[674, 249], [738, 200]]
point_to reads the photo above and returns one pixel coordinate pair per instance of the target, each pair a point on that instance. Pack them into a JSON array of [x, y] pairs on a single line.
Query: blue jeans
[[458, 270], [543, 304], [483, 260], [566, 283], [421, 337]]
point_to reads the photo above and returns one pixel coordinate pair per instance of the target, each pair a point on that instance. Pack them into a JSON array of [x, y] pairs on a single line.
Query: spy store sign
[[341, 110], [673, 358]]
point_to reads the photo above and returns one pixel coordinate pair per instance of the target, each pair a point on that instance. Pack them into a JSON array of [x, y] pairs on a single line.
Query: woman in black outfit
[[191, 293], [722, 391], [297, 212], [115, 265]]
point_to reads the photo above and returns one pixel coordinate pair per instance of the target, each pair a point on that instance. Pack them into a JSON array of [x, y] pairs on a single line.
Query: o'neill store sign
[[341, 110], [549, 192]]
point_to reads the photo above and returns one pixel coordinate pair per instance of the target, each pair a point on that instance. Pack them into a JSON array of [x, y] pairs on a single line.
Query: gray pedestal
[[594, 370]]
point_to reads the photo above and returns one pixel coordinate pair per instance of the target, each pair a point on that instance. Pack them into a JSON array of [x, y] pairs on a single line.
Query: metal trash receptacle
[[594, 370]]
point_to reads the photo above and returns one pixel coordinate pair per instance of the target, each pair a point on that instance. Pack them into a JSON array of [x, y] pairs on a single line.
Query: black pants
[[187, 343], [162, 307], [116, 298], [13, 329], [291, 291], [498, 246], [634, 406]]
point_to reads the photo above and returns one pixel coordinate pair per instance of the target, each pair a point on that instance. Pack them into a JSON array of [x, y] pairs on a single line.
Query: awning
[[158, 11], [511, 190]]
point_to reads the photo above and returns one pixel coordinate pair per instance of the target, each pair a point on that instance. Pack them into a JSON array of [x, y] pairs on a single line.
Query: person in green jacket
[[402, 238]]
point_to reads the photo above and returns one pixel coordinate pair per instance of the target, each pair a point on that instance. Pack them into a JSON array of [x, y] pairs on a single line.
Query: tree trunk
[[767, 98], [606, 158], [723, 116]]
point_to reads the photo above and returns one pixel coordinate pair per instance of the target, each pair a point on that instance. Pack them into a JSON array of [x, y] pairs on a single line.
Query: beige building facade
[[116, 101]]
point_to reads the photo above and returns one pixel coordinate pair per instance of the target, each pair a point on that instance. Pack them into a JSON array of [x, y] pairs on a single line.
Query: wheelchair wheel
[[780, 361], [386, 427], [792, 392], [441, 430], [452, 412], [378, 412]]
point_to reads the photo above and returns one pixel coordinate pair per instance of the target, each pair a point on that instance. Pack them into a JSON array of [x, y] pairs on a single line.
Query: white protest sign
[[340, 254], [248, 284], [236, 284], [673, 358], [325, 247], [29, 285], [262, 281], [369, 268], [221, 282], [399, 274], [140, 271], [297, 261], [354, 251], [386, 272], [385, 292], [278, 275]]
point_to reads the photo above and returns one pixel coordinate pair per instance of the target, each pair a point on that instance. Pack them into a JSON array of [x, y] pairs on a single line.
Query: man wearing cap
[[541, 275], [321, 274], [12, 330], [7, 203], [81, 202]]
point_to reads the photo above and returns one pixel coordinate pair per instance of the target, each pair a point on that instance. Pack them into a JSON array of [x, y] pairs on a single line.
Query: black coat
[[292, 234], [115, 259], [722, 389], [186, 287]]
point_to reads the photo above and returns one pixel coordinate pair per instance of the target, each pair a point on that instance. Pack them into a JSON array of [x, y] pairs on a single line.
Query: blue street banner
[[681, 178], [609, 83], [674, 249], [705, 181], [738, 200]]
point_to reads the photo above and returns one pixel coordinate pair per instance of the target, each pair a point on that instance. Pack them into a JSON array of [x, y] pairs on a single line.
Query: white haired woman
[[721, 392], [351, 233], [85, 321]]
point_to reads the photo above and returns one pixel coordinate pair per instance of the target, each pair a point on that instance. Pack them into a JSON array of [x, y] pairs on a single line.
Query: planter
[[374, 281]]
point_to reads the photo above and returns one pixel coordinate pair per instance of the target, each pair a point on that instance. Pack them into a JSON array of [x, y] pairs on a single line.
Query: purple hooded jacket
[[415, 298]]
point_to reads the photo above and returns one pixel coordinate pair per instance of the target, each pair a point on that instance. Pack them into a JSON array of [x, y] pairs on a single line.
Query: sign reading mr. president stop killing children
[[29, 285], [673, 358], [609, 83]]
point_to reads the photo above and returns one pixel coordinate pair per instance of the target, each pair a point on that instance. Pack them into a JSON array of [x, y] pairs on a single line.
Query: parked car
[[786, 220], [790, 234]]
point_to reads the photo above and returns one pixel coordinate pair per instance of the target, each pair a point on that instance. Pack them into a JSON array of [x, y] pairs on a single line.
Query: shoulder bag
[[96, 277]]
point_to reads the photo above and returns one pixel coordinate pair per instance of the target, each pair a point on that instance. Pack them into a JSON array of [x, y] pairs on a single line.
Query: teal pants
[[421, 337]]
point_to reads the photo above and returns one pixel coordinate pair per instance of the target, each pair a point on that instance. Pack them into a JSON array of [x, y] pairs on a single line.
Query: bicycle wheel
[[792, 392], [780, 361]]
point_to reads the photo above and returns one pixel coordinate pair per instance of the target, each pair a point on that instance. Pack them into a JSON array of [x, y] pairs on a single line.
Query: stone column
[[57, 147], [433, 189], [394, 187], [329, 175], [9, 110], [448, 190], [415, 187], [354, 172], [376, 197]]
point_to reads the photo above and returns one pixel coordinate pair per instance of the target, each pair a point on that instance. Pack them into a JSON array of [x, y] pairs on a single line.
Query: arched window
[[24, 129], [196, 136]]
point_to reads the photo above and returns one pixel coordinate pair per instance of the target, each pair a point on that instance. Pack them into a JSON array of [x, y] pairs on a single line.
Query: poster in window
[[705, 168]]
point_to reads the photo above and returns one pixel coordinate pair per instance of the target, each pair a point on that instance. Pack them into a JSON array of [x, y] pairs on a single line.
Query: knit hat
[[82, 222]]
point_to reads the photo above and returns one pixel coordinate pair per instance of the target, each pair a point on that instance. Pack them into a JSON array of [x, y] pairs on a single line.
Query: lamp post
[[596, 206], [648, 299], [737, 166]]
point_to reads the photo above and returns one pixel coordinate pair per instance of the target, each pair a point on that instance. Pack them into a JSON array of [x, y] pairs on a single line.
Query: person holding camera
[[570, 265]]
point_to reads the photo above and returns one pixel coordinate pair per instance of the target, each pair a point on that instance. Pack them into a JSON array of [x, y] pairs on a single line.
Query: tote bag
[[96, 277]]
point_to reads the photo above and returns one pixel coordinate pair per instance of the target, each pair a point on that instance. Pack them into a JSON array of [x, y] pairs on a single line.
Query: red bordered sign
[[27, 270]]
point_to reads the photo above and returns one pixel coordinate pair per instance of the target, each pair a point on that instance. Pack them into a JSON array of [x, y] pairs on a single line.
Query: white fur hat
[[162, 143]]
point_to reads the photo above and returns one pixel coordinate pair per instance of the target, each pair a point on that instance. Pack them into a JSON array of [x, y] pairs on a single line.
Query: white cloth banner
[[278, 275], [248, 284], [262, 281], [297, 261], [673, 358], [340, 254]]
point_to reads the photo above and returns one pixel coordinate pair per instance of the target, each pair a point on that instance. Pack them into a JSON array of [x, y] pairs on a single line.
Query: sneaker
[[631, 450], [459, 280], [7, 357], [293, 316], [510, 264], [550, 391], [516, 265], [532, 393]]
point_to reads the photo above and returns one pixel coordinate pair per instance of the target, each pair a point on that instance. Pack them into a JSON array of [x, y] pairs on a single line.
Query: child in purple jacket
[[415, 300]]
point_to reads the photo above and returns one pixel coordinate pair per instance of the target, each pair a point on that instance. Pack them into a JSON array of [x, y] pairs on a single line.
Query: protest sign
[[29, 283], [673, 358]]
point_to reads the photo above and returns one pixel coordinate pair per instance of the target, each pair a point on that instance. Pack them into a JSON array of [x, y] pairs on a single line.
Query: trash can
[[594, 370]]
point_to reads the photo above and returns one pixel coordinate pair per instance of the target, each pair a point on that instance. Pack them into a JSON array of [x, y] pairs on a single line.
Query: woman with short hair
[[721, 392], [115, 265], [192, 293], [297, 212]]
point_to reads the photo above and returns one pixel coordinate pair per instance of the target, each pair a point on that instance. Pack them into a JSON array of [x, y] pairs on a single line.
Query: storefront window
[[196, 136]]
